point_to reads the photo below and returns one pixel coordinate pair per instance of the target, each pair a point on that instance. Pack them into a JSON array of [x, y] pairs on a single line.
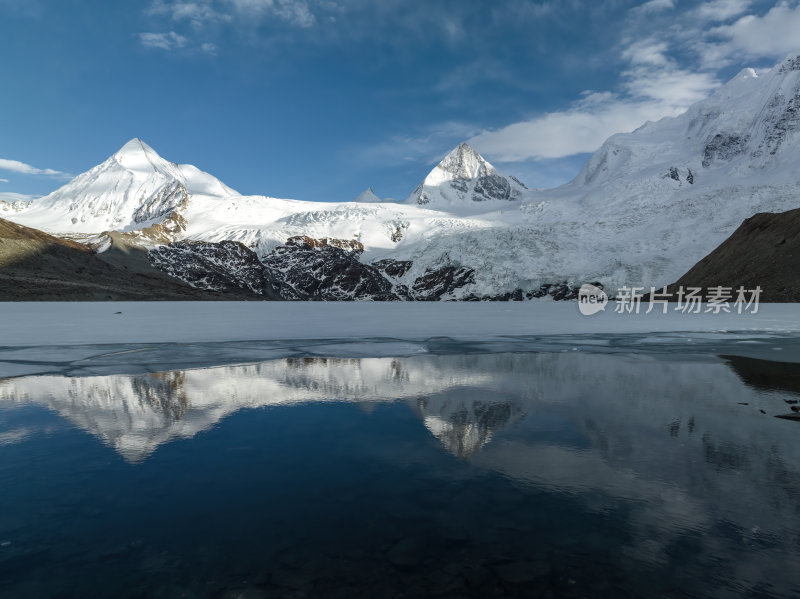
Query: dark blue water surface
[[565, 474]]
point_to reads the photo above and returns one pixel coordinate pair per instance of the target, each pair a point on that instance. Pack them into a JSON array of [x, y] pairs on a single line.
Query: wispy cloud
[[654, 84], [294, 12], [3, 180], [722, 10], [198, 14], [772, 35], [423, 147], [653, 87], [163, 41], [324, 21], [15, 166], [11, 197], [655, 6]]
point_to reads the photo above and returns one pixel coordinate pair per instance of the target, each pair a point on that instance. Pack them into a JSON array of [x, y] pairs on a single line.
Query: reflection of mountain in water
[[463, 400], [135, 414], [680, 442], [464, 424]]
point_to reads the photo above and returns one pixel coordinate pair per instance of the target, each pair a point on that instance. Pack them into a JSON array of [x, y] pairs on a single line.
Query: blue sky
[[318, 99]]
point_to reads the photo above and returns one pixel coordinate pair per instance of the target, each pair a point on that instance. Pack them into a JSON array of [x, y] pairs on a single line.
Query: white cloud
[[648, 94], [560, 134], [3, 180], [197, 13], [164, 41], [16, 166], [648, 51], [722, 10], [655, 6], [773, 35], [209, 48], [295, 12], [672, 88]]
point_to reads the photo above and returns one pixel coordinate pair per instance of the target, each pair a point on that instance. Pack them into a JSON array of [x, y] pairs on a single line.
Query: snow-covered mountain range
[[644, 209]]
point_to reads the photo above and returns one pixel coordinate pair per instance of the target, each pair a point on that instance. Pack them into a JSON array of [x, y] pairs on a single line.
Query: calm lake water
[[567, 474]]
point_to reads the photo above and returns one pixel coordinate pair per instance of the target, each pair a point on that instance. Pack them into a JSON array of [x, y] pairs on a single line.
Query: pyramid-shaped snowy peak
[[462, 178], [131, 189]]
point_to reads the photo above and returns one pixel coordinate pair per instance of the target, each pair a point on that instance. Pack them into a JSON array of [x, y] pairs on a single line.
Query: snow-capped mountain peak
[[132, 189], [137, 155], [463, 177], [367, 196], [463, 162]]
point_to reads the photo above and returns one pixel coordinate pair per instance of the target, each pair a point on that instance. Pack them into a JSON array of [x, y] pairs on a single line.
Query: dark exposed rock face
[[225, 266], [326, 269], [791, 64], [435, 283], [764, 251], [723, 147], [170, 198], [306, 242], [492, 186], [785, 122], [518, 182], [676, 174], [557, 291], [393, 268]]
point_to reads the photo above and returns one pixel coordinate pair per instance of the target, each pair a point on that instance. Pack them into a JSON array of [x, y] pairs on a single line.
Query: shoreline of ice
[[116, 337], [80, 323]]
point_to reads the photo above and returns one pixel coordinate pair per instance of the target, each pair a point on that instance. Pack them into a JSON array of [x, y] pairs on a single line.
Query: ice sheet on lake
[[130, 337]]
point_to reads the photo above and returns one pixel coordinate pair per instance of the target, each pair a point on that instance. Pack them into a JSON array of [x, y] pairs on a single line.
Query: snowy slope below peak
[[132, 189], [745, 132]]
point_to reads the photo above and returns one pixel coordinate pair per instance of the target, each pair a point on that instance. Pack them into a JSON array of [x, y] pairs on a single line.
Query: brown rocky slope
[[764, 251], [36, 266]]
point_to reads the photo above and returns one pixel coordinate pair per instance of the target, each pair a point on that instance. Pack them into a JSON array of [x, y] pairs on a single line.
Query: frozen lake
[[386, 450]]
